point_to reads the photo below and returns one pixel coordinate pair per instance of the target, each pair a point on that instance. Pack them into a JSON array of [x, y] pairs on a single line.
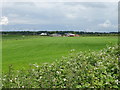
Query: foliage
[[80, 70], [60, 32]]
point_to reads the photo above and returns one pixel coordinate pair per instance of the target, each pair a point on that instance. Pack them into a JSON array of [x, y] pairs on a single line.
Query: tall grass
[[80, 70]]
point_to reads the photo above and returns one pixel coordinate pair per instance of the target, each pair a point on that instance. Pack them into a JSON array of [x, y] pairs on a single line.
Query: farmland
[[20, 51], [78, 70]]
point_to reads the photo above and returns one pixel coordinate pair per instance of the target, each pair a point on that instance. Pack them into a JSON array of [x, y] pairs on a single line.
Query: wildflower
[[10, 80], [64, 79], [68, 62], [116, 81], [58, 72], [99, 63], [15, 78], [3, 79], [101, 53], [87, 57], [36, 66], [72, 50], [40, 77], [109, 48]]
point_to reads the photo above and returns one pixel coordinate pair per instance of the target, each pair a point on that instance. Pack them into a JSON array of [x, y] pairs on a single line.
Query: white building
[[55, 35], [43, 34]]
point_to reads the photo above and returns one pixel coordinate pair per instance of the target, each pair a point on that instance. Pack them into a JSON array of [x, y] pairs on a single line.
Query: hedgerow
[[80, 70]]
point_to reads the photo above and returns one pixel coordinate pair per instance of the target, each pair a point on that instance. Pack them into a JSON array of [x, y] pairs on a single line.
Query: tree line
[[59, 32]]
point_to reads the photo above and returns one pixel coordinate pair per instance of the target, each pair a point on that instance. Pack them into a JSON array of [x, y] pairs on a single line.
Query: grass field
[[20, 51]]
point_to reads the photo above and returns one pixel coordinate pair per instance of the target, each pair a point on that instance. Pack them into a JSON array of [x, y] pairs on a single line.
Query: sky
[[68, 16]]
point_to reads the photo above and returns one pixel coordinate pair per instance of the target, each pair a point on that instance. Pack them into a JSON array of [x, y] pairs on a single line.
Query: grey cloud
[[86, 15], [88, 4]]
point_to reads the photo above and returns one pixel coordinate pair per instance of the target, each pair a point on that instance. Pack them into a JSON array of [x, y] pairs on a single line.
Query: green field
[[20, 51]]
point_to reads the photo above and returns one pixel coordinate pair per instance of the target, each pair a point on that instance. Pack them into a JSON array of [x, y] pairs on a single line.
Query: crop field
[[20, 51]]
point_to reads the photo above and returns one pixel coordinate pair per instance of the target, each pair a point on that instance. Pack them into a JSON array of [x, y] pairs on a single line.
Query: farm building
[[55, 35], [76, 35], [72, 35], [43, 34]]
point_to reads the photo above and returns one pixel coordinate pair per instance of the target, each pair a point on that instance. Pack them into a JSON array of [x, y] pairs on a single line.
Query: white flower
[[87, 57], [15, 78], [109, 48], [72, 50], [3, 79], [36, 65], [116, 81], [40, 77], [10, 80], [58, 72], [64, 79]]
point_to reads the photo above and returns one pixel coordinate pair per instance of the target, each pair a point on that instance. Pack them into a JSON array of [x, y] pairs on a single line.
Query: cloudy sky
[[80, 16]]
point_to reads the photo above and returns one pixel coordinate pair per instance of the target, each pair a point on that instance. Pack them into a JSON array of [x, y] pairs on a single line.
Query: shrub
[[80, 70]]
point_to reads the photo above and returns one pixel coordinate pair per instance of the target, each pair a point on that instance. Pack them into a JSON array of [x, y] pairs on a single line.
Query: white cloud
[[59, 0], [86, 15], [4, 20], [71, 16], [108, 24], [13, 15]]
